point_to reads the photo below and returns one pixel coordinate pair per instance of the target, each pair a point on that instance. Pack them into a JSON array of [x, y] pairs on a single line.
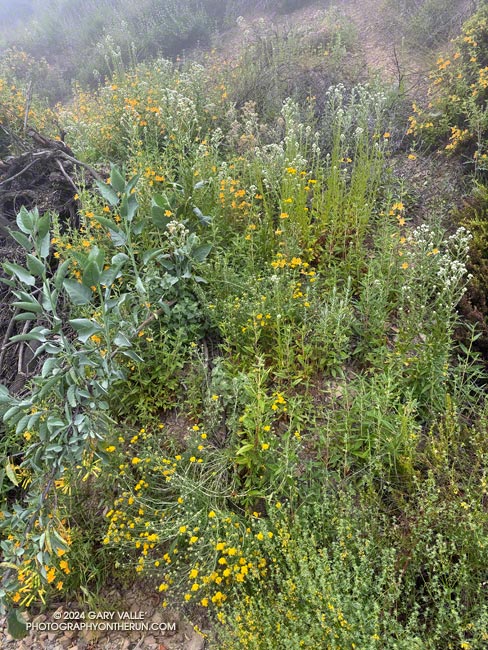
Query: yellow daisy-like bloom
[[50, 574]]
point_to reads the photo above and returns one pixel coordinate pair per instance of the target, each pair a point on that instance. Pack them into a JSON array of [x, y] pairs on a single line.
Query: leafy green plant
[[64, 419]]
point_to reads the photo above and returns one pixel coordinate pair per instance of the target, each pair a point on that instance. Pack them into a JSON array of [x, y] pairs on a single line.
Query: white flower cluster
[[176, 233], [439, 270]]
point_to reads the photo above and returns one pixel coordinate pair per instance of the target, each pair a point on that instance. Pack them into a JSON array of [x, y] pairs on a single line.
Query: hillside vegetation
[[260, 387]]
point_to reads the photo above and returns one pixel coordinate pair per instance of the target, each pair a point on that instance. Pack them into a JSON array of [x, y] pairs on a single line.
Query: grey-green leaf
[[24, 276], [16, 625], [108, 193], [117, 181], [200, 253], [35, 266], [84, 328], [78, 293]]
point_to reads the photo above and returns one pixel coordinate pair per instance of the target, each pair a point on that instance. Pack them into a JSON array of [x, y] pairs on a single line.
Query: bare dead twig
[[397, 66], [22, 171], [67, 177], [82, 164]]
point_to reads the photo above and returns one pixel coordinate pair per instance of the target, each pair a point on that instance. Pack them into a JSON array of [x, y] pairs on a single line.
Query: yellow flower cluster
[[232, 195], [457, 137]]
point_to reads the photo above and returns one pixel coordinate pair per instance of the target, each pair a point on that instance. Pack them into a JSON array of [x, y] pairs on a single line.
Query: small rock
[[197, 642]]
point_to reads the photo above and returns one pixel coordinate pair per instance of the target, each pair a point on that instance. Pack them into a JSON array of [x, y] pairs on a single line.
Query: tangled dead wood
[[45, 174]]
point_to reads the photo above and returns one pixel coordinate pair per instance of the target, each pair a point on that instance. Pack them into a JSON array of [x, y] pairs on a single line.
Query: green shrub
[[301, 63], [455, 118]]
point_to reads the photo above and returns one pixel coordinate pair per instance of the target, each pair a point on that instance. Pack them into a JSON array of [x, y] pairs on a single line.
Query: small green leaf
[[24, 221], [204, 219], [107, 223], [4, 394], [166, 263], [77, 292], [36, 334], [160, 205], [32, 305], [200, 253], [244, 449], [122, 341], [118, 238], [109, 275], [16, 625], [141, 290], [24, 276], [128, 207], [25, 316], [119, 258], [13, 414], [151, 253], [35, 266], [132, 355], [84, 328], [43, 225], [91, 275], [132, 183], [11, 473], [48, 366], [108, 193], [117, 181], [71, 396], [61, 273], [44, 246], [21, 239]]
